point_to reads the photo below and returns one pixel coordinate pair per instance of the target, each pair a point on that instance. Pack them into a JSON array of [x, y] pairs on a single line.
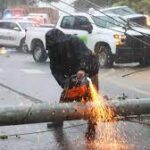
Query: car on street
[[128, 14], [108, 36], [13, 33]]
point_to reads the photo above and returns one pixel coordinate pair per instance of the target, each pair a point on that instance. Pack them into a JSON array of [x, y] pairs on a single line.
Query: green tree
[[140, 6]]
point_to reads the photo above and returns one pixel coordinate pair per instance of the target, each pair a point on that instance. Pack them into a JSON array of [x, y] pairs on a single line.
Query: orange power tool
[[76, 90]]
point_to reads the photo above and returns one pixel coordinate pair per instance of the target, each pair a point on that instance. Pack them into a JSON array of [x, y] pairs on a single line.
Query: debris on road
[[3, 137]]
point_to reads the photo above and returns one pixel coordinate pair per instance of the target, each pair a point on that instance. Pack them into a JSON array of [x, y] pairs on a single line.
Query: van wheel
[[23, 47], [39, 53], [105, 58]]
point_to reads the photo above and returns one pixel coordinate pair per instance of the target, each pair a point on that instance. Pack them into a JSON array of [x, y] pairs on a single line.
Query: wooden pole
[[37, 113]]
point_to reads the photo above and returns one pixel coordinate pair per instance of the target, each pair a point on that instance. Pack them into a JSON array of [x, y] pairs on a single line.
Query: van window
[[80, 21], [4, 25], [68, 22], [8, 25], [12, 26]]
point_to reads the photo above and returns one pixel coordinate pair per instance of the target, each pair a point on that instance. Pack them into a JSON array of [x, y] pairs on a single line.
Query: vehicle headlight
[[148, 20], [119, 39]]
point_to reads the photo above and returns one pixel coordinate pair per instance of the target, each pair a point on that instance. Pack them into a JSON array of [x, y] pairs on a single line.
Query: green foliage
[[140, 6], [146, 6], [3, 137]]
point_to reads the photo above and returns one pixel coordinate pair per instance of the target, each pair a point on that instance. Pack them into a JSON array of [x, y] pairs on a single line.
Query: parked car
[[13, 33], [128, 14]]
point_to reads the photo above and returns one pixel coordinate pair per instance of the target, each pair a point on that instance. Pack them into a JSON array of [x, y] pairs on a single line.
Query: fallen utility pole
[[37, 113]]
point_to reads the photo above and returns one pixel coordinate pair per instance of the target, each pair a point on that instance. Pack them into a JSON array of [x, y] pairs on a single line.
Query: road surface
[[23, 82]]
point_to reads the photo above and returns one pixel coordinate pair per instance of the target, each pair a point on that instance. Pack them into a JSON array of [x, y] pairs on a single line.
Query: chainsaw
[[76, 89]]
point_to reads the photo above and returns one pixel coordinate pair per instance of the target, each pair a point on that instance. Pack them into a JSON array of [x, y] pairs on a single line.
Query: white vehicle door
[[15, 32], [74, 25], [5, 34]]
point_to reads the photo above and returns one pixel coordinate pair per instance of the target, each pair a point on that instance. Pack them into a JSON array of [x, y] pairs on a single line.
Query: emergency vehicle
[[13, 33], [108, 36]]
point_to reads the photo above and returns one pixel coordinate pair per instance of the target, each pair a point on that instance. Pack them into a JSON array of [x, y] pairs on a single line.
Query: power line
[[79, 18], [111, 23], [133, 72], [33, 99], [37, 132], [85, 21], [125, 32], [129, 24], [100, 19]]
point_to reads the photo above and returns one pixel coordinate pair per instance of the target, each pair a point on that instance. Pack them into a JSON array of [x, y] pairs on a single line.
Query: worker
[[69, 56]]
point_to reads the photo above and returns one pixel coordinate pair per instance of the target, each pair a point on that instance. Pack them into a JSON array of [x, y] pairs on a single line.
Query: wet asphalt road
[[23, 82]]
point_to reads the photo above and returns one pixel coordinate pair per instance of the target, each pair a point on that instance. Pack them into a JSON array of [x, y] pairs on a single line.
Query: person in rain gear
[[69, 56]]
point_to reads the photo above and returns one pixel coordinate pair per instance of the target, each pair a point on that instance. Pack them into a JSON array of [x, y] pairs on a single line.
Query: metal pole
[[37, 113]]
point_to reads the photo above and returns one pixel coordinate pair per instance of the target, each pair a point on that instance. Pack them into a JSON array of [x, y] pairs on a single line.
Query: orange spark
[[108, 134]]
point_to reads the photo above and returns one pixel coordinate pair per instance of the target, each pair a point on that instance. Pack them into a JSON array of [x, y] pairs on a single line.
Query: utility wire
[[85, 21], [129, 24], [133, 37], [37, 132], [133, 23], [111, 23], [33, 99], [96, 16], [133, 72], [39, 101], [6, 136], [94, 24], [79, 18]]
